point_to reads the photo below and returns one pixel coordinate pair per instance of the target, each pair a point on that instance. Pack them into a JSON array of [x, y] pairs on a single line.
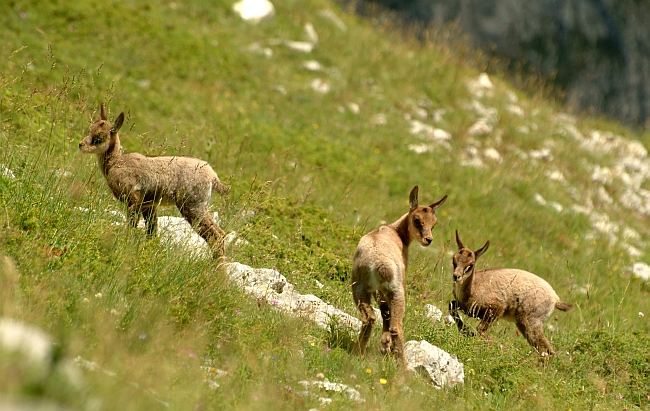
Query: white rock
[[331, 16], [641, 270], [320, 86], [482, 86], [471, 158], [539, 199], [30, 341], [602, 175], [631, 234], [426, 130], [544, 154], [312, 65], [254, 11], [480, 128], [515, 109], [420, 148], [449, 319], [442, 368], [301, 46], [6, 172], [556, 175], [492, 154], [636, 149], [256, 48], [311, 34], [489, 114], [632, 251], [603, 196], [354, 108], [432, 312], [326, 385], [556, 206], [273, 287]]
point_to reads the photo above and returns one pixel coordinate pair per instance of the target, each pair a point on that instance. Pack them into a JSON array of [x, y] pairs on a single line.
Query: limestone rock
[[254, 11], [442, 368]]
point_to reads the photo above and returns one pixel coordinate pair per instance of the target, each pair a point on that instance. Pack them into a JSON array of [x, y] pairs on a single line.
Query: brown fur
[[516, 295], [379, 270], [144, 183]]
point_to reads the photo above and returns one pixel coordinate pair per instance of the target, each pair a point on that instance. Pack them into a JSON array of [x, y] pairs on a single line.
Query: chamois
[[513, 294], [379, 270], [144, 183]]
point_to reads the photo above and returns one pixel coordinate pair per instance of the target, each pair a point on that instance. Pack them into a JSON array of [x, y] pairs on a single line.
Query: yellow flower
[[368, 371], [313, 344], [383, 381]]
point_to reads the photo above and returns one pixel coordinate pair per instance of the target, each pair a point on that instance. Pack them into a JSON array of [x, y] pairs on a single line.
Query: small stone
[[254, 11], [492, 154], [301, 46], [320, 86], [312, 65], [432, 312], [311, 34]]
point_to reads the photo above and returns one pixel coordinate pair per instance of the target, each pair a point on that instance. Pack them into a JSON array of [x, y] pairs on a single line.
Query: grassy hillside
[[310, 173]]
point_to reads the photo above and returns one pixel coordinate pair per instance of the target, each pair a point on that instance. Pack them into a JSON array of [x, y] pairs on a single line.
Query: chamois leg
[[397, 302], [133, 214], [207, 228], [368, 319], [387, 343], [537, 339], [453, 311], [487, 318], [534, 333], [151, 220]]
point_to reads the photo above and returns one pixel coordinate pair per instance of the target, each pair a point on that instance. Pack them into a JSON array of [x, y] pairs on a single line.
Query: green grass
[[308, 179]]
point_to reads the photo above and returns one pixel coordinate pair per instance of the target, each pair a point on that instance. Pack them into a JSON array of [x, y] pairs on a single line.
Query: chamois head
[[422, 219], [101, 134], [465, 259]]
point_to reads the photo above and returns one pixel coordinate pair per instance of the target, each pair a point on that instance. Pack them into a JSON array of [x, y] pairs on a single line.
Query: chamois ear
[[439, 203], [460, 243], [413, 198], [481, 250], [102, 112], [117, 124]]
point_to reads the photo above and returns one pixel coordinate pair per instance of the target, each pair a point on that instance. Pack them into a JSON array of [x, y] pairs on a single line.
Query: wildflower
[[275, 302], [288, 388], [368, 371], [237, 311], [383, 381], [143, 336], [313, 344], [98, 295], [641, 314]]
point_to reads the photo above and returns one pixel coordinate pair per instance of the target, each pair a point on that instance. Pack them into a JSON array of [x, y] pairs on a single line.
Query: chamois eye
[[417, 222], [469, 267]]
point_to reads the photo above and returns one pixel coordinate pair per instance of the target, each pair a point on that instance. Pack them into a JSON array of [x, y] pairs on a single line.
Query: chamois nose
[[428, 240], [456, 277], [81, 143]]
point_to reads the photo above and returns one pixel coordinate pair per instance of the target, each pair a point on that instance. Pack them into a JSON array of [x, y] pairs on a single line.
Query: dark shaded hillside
[[598, 50]]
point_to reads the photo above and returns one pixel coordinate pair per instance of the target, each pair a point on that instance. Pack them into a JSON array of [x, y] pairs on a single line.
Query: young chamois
[[144, 183], [513, 294], [379, 270]]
